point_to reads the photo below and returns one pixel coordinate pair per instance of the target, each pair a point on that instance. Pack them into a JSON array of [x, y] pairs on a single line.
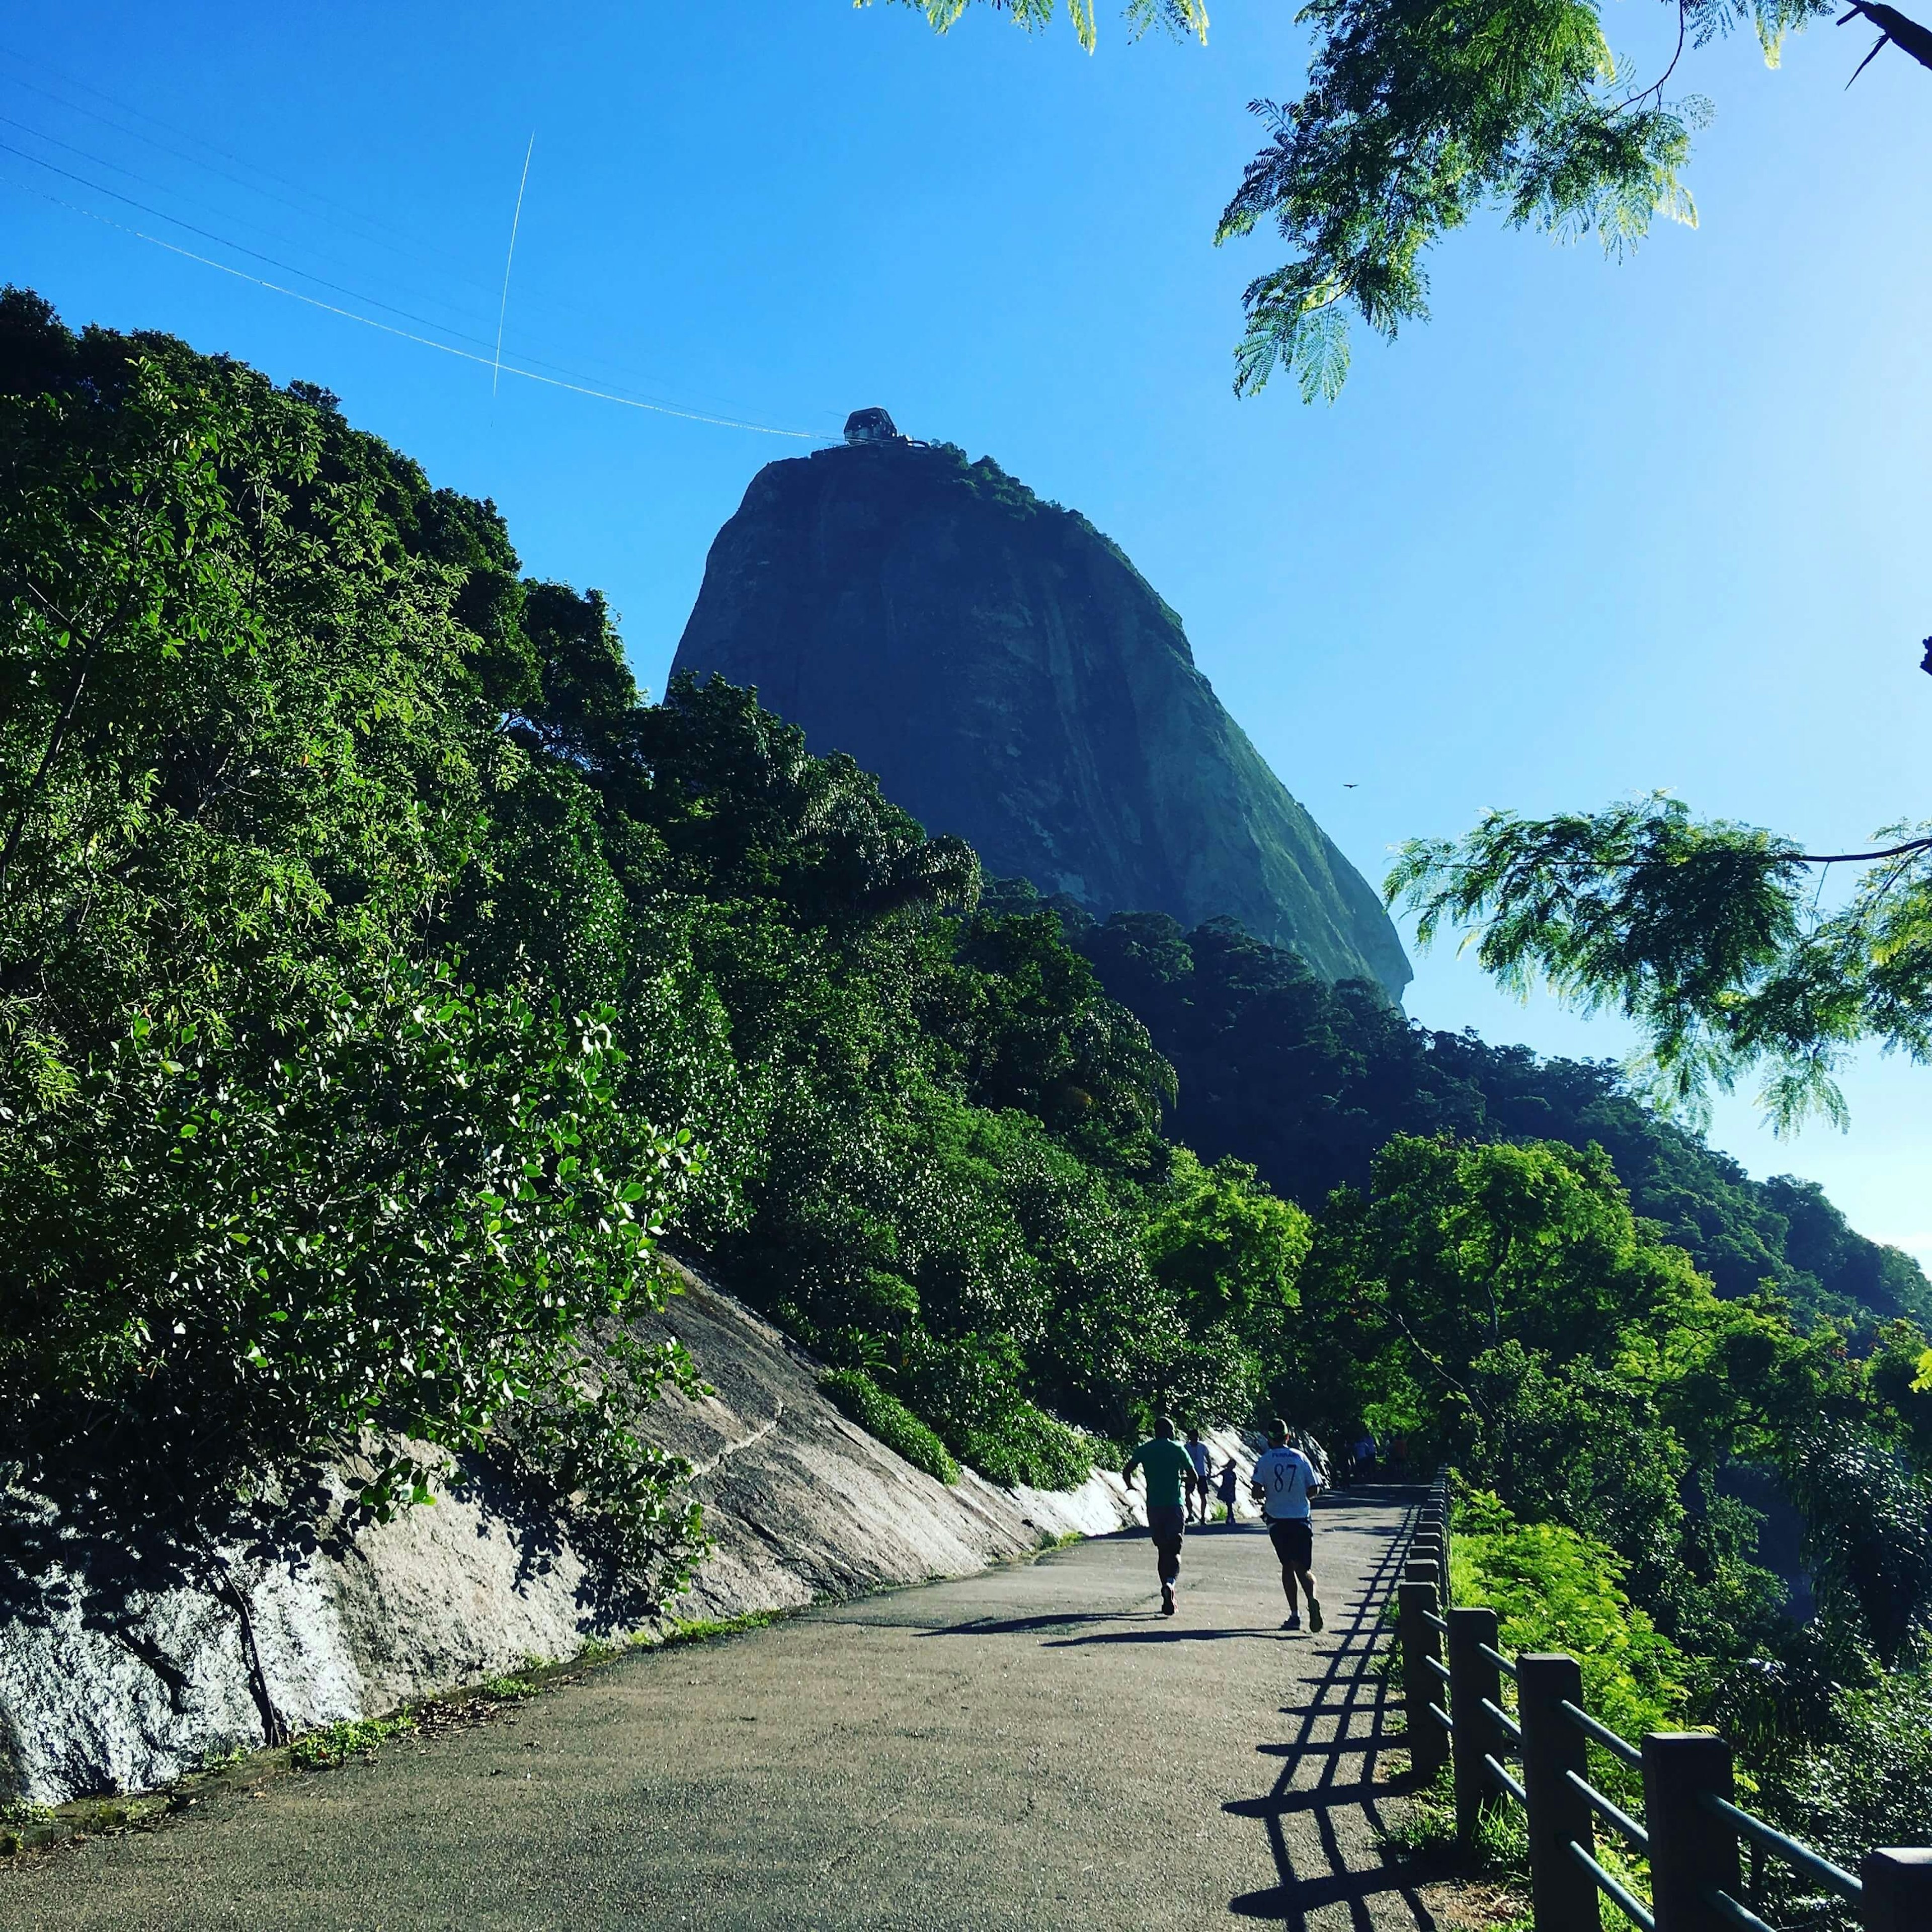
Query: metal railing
[[1692, 1826]]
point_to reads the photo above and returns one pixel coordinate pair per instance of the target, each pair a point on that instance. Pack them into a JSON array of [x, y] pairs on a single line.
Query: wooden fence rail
[[1692, 1828]]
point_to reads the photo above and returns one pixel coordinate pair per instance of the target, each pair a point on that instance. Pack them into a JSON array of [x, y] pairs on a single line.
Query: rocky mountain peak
[[1012, 678]]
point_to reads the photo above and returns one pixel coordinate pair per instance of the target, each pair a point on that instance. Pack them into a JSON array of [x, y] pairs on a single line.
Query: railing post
[[1898, 1890], [1430, 1545], [1425, 1546], [1472, 1677], [1439, 1506], [1692, 1850], [1422, 1689], [1562, 1893]]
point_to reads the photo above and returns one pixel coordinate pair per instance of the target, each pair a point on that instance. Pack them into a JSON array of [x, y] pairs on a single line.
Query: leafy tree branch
[[1419, 115], [1709, 934]]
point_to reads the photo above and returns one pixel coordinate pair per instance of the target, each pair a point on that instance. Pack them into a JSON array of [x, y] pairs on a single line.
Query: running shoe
[[1315, 1613], [1167, 1600], [1292, 1621]]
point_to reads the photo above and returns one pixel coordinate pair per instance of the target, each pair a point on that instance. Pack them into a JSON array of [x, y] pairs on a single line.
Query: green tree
[[1868, 1533], [1308, 1080], [423, 1227], [1900, 1372], [1231, 1251], [246, 732], [1035, 1030], [272, 1175], [1464, 1247], [933, 1138]]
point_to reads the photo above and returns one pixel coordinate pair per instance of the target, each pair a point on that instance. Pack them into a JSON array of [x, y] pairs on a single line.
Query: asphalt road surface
[[1033, 1747]]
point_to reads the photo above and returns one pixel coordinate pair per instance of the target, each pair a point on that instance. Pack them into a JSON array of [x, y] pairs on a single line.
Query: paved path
[[1034, 1747]]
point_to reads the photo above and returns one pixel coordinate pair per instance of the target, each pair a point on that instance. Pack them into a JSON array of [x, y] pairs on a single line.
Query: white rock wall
[[802, 1505]]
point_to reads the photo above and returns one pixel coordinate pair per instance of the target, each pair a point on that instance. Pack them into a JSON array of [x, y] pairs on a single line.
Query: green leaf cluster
[[888, 1418], [1708, 935], [1177, 16], [1308, 1081], [1418, 115], [374, 962], [1554, 1590], [278, 1181]]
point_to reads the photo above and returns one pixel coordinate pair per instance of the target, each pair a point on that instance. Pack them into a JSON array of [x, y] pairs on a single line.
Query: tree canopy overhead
[[1419, 115]]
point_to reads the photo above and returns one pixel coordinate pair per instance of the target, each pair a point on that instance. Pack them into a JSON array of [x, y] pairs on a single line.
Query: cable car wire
[[407, 335]]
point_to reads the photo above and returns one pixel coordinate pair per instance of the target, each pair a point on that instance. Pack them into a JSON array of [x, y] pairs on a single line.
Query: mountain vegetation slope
[[1308, 1080]]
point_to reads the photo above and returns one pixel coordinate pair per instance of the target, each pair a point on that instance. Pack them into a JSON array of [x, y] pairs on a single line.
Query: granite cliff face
[[357, 1623], [1011, 678]]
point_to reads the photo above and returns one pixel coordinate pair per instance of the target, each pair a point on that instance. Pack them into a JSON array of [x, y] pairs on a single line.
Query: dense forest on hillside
[[1307, 1080], [383, 982]]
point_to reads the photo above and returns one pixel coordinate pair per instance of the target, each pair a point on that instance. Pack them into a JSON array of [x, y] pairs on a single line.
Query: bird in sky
[[1349, 784]]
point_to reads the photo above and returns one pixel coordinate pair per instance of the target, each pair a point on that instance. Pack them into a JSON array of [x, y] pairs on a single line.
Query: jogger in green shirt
[[1170, 1478]]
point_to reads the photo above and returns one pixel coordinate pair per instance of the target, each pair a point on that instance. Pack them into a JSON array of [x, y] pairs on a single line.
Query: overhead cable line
[[425, 341], [240, 247], [342, 216], [560, 379], [615, 369], [340, 209], [207, 234]]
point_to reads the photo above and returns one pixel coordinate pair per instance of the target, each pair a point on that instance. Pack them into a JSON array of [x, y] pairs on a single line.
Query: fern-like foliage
[[1708, 935], [1417, 115], [1176, 16], [1420, 114]]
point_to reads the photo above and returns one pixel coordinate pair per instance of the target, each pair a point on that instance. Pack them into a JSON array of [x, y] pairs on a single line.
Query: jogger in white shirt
[[1285, 1484], [1197, 1454]]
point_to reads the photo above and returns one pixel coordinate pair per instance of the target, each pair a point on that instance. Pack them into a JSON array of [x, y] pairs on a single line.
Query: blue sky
[[1595, 529]]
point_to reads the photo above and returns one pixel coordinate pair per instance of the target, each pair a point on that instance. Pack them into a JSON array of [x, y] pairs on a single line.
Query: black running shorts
[[1167, 1524], [1293, 1540]]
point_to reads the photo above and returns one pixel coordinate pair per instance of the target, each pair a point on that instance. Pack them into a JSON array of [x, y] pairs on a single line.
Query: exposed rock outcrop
[[802, 1504], [1012, 679]]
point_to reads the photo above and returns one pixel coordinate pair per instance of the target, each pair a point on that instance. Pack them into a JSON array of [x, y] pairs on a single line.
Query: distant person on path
[[1285, 1485], [1197, 1497], [1170, 1476], [1229, 1477]]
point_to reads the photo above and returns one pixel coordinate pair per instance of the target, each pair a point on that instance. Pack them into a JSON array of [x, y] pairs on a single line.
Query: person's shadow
[[1026, 1626], [1163, 1631]]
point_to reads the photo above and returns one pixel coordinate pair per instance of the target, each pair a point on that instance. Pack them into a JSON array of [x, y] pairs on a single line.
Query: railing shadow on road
[[1355, 1702], [1026, 1626]]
